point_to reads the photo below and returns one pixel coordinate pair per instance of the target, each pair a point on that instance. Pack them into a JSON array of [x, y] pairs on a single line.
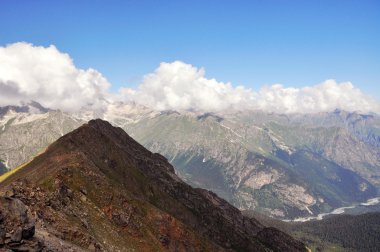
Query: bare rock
[[17, 227], [17, 235]]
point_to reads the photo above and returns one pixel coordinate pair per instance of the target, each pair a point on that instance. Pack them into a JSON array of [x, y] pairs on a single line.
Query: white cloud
[[181, 86], [48, 76], [327, 96], [45, 75]]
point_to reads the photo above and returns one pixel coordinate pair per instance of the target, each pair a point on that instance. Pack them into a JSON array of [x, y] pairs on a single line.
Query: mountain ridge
[[253, 159], [98, 167]]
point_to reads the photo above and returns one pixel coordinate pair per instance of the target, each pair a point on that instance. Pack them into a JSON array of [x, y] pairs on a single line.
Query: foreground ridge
[[98, 189]]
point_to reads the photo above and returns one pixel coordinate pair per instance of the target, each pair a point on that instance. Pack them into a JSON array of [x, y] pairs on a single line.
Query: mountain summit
[[98, 189]]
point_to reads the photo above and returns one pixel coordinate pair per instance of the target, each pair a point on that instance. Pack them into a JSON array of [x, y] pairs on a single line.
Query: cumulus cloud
[[48, 76], [181, 86], [326, 96]]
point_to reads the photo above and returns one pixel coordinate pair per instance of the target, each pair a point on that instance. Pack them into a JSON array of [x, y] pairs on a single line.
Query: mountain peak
[[31, 107], [97, 182]]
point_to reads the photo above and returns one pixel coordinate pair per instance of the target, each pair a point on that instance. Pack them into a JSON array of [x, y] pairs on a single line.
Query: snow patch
[[234, 132], [27, 118], [308, 209]]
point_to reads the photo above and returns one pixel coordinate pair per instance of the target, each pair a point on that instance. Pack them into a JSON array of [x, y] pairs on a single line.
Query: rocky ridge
[[97, 189]]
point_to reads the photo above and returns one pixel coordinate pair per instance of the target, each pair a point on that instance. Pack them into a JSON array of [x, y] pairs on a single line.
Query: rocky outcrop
[[37, 213], [17, 226]]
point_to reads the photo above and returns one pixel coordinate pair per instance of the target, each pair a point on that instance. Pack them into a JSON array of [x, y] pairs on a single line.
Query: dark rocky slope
[[98, 189]]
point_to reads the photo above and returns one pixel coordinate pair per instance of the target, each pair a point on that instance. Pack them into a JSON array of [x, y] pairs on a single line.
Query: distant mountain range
[[285, 166], [97, 189]]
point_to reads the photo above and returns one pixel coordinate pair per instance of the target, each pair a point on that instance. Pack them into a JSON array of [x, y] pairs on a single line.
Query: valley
[[190, 126], [371, 205], [339, 233], [286, 166]]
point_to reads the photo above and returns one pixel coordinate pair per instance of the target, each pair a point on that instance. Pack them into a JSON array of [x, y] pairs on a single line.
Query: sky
[[253, 44]]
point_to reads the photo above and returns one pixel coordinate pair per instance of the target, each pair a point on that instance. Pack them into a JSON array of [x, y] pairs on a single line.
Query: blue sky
[[250, 43]]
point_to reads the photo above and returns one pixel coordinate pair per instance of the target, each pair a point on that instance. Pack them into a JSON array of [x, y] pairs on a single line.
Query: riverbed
[[370, 205]]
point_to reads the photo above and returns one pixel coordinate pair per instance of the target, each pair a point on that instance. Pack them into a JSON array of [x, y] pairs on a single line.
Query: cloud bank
[[48, 76], [180, 86]]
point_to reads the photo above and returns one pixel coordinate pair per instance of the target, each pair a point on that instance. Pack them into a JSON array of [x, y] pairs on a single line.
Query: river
[[354, 209]]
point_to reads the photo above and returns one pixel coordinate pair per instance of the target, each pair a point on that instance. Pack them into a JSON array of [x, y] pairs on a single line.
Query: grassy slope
[[9, 173]]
